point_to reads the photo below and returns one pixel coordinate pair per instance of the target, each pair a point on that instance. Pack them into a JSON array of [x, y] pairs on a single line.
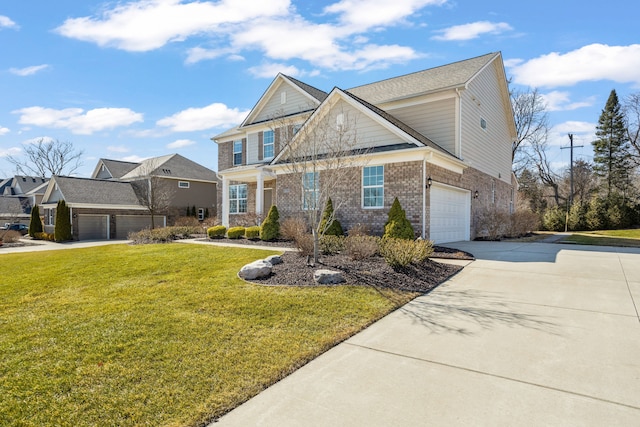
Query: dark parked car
[[23, 229]]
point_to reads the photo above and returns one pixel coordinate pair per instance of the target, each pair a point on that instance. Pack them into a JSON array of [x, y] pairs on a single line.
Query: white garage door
[[126, 224], [93, 227], [450, 214]]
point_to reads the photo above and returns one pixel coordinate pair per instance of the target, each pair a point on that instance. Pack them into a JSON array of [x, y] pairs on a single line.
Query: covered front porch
[[248, 192]]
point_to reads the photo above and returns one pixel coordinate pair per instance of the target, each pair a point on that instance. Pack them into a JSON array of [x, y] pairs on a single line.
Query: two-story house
[[440, 140]]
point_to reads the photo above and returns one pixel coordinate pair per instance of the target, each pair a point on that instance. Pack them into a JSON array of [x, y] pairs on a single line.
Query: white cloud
[[472, 30], [211, 116], [76, 120], [270, 70], [28, 71], [589, 63], [272, 27], [583, 132], [6, 22], [4, 131], [118, 149], [133, 158], [559, 101], [11, 151], [150, 24], [180, 143]]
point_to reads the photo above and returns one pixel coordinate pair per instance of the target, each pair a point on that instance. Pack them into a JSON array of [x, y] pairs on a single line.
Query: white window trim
[[184, 184], [272, 144], [237, 200], [237, 152], [371, 186]]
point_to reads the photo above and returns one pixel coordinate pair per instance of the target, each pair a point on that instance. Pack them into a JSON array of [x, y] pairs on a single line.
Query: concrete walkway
[[530, 334], [44, 245]]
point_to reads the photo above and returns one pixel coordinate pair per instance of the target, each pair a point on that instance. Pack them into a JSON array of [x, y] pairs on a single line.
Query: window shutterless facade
[[183, 184], [238, 198], [267, 145], [373, 187], [310, 190], [237, 153]]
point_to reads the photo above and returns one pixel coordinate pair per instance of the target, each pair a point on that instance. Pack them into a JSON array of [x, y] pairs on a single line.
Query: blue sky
[[136, 79]]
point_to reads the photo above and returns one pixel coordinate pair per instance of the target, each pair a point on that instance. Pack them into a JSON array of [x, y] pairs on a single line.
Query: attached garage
[[126, 224], [450, 214], [93, 227]]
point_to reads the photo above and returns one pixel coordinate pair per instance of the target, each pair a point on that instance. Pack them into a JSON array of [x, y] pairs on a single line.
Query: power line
[[571, 147]]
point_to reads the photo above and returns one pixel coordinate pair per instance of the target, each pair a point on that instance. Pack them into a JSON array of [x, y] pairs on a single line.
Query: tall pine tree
[[611, 155]]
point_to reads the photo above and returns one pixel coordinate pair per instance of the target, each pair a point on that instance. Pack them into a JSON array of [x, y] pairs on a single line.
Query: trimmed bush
[[252, 233], [292, 228], [270, 228], [304, 244], [523, 222], [492, 224], [327, 228], [44, 236], [330, 244], [360, 230], [10, 236], [216, 232], [360, 246], [35, 225], [235, 232], [400, 253], [62, 230], [397, 225]]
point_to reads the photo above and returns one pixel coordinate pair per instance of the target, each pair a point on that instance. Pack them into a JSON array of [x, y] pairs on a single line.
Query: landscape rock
[[256, 270], [274, 259], [328, 277]]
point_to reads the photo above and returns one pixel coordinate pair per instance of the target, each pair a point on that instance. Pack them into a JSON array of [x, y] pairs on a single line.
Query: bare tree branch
[[154, 192], [45, 158], [532, 123], [631, 110]]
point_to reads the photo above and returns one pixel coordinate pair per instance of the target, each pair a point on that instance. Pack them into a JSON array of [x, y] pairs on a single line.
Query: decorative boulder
[[274, 259], [255, 270], [328, 277]]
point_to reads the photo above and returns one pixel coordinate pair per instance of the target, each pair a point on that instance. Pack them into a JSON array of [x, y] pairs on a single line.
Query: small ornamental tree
[[35, 225], [270, 227], [63, 222], [329, 225], [397, 225]]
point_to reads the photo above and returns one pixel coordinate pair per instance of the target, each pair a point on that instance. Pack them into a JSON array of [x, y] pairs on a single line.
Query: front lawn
[[162, 335], [623, 238]]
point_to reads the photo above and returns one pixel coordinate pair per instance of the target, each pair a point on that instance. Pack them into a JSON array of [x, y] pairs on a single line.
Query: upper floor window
[[237, 153], [310, 190], [339, 121], [483, 123], [183, 184], [267, 145], [373, 187], [296, 128], [238, 198], [283, 97]]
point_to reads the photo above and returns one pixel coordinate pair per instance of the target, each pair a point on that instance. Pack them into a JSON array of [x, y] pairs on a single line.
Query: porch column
[[260, 196], [225, 201]]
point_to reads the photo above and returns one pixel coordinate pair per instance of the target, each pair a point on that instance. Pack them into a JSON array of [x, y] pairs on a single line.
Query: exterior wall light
[[429, 182], [475, 195]]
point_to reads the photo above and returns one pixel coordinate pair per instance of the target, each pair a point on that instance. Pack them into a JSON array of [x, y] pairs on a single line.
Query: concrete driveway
[[530, 334]]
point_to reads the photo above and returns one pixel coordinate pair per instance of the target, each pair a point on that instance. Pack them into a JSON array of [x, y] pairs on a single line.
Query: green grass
[[623, 238], [162, 335]]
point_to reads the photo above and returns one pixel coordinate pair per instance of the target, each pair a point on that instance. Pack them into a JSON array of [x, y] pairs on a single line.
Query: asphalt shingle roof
[[174, 166], [96, 191], [318, 94], [119, 168]]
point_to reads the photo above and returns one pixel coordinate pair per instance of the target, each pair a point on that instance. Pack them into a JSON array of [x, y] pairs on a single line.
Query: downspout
[[459, 123], [424, 198]]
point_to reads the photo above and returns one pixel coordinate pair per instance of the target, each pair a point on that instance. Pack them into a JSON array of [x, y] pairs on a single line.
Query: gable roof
[[172, 166], [14, 206], [314, 95], [27, 183], [116, 168], [449, 76], [89, 191]]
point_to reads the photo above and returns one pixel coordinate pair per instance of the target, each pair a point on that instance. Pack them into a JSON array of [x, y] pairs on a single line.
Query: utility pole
[[571, 147]]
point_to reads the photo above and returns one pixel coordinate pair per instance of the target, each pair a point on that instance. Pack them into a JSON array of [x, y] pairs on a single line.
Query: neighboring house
[[440, 140], [18, 195], [111, 203]]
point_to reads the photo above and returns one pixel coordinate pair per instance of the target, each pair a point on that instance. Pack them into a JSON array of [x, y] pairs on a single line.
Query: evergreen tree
[[35, 225], [63, 222], [397, 225], [270, 227], [611, 149], [333, 228]]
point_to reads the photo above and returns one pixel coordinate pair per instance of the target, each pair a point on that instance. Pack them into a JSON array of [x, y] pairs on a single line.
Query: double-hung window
[[238, 198], [237, 153], [267, 145], [373, 187], [310, 190]]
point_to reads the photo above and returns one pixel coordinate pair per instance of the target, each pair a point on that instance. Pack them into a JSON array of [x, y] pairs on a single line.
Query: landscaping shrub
[[35, 225], [160, 235], [577, 217], [270, 228], [252, 233], [304, 244], [333, 228], [292, 228], [44, 236], [216, 232], [62, 230], [10, 236], [361, 246], [360, 230], [402, 252], [397, 225], [492, 224], [235, 232], [330, 244], [523, 222], [187, 221], [554, 219], [596, 217]]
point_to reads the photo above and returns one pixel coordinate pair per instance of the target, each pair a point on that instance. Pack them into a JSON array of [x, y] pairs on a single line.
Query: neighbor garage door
[[450, 213], [93, 227], [126, 224]]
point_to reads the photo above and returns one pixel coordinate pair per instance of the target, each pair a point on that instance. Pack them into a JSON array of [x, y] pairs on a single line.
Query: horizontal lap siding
[[296, 102]]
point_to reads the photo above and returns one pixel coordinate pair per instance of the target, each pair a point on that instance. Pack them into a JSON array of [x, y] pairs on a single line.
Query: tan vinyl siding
[[435, 120], [252, 148], [295, 103], [488, 150]]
